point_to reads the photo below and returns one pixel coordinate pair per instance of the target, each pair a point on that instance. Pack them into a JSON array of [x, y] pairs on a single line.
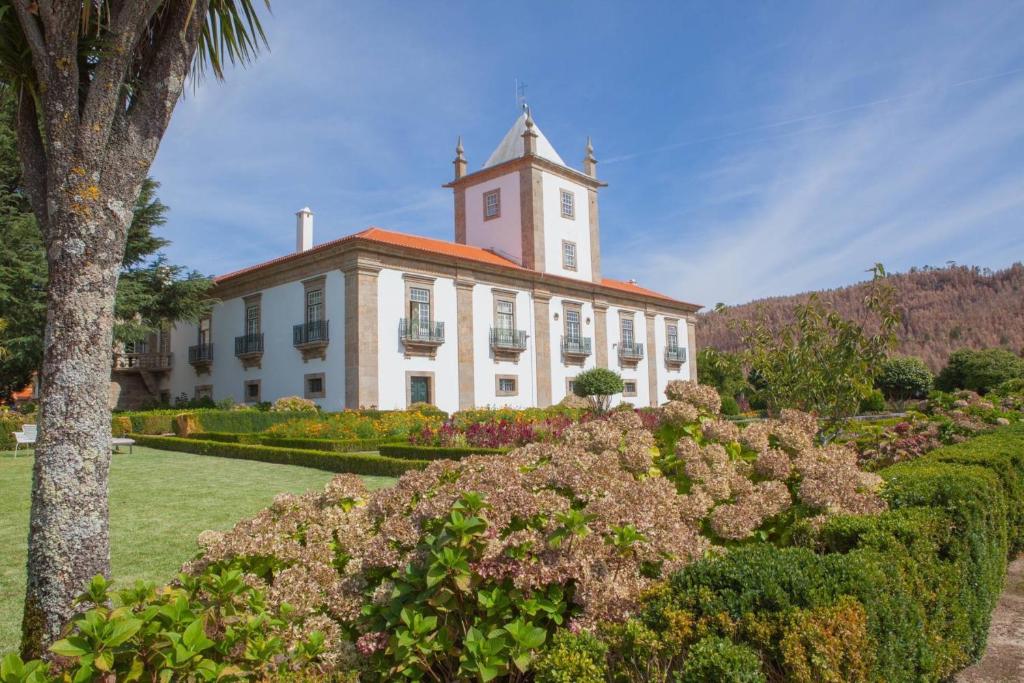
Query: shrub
[[730, 406], [980, 371], [573, 658], [903, 378], [350, 424], [719, 660], [355, 463], [873, 402], [10, 422], [120, 426], [407, 451], [294, 404], [1010, 387], [598, 385], [185, 424]]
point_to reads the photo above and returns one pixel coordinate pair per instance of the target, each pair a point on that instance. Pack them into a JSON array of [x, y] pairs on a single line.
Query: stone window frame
[[569, 381], [625, 391], [497, 385], [323, 385], [572, 306], [413, 280], [669, 323], [252, 301], [507, 296], [429, 374], [575, 265], [311, 285], [625, 315], [496, 193], [205, 389], [245, 391], [562, 194], [208, 319]]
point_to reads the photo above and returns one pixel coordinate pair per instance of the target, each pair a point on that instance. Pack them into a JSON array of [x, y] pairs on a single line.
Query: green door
[[419, 390]]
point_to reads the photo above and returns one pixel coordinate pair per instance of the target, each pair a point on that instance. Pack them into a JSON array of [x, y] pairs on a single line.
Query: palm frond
[[232, 34]]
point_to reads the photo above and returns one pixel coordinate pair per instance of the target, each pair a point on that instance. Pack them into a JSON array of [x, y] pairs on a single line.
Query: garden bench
[[26, 436], [117, 442]]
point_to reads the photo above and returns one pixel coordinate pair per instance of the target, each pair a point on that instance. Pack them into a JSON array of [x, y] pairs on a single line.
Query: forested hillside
[[943, 309]]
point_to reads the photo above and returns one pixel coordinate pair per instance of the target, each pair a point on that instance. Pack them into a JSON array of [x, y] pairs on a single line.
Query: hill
[[943, 309]]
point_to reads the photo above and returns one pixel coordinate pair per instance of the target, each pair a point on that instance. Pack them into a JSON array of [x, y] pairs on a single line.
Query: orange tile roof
[[434, 246]]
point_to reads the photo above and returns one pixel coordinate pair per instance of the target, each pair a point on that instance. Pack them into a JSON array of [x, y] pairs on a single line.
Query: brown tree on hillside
[[942, 309]]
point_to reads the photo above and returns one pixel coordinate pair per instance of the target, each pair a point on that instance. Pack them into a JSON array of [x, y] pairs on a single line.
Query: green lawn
[[159, 503]]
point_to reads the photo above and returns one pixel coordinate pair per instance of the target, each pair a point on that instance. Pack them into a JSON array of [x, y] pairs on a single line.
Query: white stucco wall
[[560, 371], [557, 228], [486, 367], [282, 370], [503, 233], [639, 373], [392, 363]]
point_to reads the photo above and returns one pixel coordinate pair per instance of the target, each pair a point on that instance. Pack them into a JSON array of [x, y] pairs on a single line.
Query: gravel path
[[1004, 658]]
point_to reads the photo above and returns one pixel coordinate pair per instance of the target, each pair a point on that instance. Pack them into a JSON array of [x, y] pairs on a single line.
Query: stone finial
[[529, 135], [460, 160], [589, 160]]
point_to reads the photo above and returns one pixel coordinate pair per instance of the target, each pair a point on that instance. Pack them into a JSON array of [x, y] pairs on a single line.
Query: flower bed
[[350, 424]]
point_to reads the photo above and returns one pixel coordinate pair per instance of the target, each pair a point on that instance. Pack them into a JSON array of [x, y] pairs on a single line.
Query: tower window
[[568, 204], [492, 204], [568, 255]]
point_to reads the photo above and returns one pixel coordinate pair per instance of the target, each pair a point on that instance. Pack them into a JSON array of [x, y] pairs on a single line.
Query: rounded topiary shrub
[[904, 377], [874, 402], [185, 424], [598, 385], [719, 660], [573, 658], [294, 404]]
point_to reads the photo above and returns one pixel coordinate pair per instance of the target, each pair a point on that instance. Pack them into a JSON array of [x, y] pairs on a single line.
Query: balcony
[[200, 357], [249, 349], [311, 339], [421, 338], [507, 343], [675, 356], [576, 349], [630, 354], [137, 362]]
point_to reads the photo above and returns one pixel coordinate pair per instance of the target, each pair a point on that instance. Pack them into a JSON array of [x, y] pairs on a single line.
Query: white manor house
[[506, 315]]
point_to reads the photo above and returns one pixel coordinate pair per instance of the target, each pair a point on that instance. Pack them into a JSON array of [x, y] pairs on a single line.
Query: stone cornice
[[369, 256], [514, 165]]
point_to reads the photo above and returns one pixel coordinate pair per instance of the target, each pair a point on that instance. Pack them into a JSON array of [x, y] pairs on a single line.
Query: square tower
[[525, 204]]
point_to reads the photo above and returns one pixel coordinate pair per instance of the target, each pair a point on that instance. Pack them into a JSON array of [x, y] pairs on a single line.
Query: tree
[[150, 293], [723, 371], [904, 377], [981, 370], [821, 362], [598, 385], [96, 82]]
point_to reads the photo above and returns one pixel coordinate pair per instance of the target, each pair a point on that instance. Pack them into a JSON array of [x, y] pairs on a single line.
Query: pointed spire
[[460, 160], [529, 135], [589, 160]]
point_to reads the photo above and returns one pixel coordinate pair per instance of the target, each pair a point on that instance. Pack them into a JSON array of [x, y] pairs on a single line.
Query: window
[[252, 391], [568, 255], [204, 332], [315, 385], [252, 319], [492, 204], [568, 204], [672, 336], [419, 387], [570, 386], [629, 387], [573, 328], [506, 385], [419, 307], [204, 391], [314, 305], [504, 315], [627, 333]]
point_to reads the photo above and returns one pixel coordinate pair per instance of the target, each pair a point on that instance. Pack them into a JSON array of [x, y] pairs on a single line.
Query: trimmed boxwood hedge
[[209, 420], [924, 577], [354, 463], [330, 445], [412, 452]]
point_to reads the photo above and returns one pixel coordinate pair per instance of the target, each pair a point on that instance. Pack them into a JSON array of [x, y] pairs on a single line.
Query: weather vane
[[521, 96]]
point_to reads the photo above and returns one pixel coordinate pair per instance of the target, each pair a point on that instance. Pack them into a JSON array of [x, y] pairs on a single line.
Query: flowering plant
[[352, 424]]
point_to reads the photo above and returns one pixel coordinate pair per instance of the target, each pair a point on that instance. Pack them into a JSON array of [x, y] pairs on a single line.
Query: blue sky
[[750, 148]]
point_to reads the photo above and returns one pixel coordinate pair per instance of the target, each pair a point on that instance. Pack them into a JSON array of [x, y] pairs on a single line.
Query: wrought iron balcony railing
[[421, 332], [249, 344], [508, 339], [142, 361], [200, 353], [313, 332], [631, 352], [576, 346], [675, 354]]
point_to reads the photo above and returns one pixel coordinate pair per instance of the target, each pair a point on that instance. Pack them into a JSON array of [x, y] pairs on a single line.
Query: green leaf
[[123, 629], [71, 647]]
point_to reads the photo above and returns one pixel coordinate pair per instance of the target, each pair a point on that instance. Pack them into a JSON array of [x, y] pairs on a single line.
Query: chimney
[[303, 230]]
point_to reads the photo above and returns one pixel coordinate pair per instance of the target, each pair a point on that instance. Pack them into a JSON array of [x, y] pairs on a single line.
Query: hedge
[[209, 419], [902, 596], [330, 445], [354, 463], [11, 422], [411, 452]]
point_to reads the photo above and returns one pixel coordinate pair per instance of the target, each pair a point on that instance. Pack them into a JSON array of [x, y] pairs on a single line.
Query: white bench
[[27, 436], [117, 442]]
